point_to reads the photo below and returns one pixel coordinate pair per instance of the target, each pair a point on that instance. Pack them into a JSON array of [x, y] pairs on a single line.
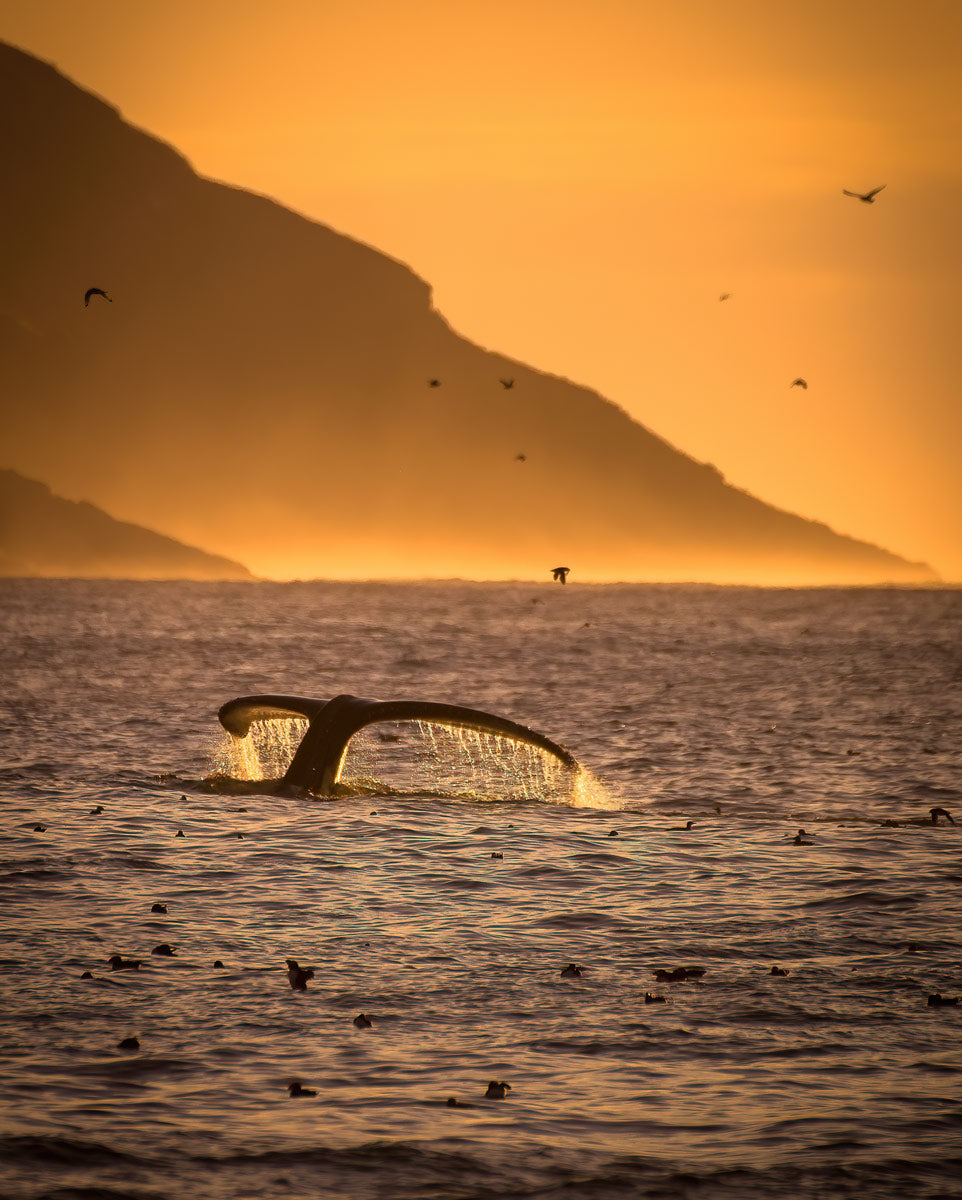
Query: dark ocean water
[[751, 713]]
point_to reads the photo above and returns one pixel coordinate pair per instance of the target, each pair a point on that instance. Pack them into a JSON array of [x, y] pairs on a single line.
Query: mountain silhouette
[[258, 386], [43, 534]]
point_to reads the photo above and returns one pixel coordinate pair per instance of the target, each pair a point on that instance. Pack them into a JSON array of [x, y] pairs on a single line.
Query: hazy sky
[[581, 179]]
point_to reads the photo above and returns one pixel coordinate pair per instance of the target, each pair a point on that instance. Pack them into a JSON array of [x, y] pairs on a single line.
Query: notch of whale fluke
[[318, 760]]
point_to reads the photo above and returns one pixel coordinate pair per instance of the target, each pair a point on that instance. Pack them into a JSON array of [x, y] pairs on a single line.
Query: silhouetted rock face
[[259, 386], [41, 534]]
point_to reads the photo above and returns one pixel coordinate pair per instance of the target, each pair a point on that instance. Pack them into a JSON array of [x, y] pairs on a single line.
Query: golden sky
[[580, 180]]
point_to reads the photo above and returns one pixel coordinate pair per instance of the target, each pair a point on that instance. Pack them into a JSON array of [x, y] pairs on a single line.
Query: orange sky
[[581, 179]]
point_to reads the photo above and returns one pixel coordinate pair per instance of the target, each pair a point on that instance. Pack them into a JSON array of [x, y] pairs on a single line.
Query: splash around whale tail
[[319, 759]]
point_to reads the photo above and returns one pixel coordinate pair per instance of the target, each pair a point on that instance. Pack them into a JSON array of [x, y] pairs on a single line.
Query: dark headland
[[45, 535], [259, 386]]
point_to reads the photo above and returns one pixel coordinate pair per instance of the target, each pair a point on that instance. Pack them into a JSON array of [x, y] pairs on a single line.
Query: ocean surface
[[751, 713]]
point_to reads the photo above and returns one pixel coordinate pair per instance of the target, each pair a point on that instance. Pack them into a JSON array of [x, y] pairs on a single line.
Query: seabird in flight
[[865, 197], [560, 573], [507, 384], [434, 383], [799, 382], [95, 292]]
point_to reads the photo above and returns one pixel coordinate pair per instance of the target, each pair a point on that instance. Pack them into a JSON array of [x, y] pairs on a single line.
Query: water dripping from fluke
[[352, 746]]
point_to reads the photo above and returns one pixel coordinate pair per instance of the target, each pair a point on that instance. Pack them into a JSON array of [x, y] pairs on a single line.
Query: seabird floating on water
[[571, 970], [363, 1021], [118, 963], [497, 1089], [935, 813], [298, 975], [165, 950], [295, 1089]]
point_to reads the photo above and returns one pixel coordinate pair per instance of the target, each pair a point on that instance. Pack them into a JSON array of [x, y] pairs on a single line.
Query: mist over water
[[751, 713]]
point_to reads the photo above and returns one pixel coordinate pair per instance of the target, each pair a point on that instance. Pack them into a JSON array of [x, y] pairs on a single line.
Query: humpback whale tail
[[318, 761]]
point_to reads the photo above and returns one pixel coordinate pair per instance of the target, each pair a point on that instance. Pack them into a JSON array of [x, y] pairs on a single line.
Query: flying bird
[[560, 573], [507, 384], [434, 383], [521, 458], [95, 292], [725, 296], [799, 382], [865, 197]]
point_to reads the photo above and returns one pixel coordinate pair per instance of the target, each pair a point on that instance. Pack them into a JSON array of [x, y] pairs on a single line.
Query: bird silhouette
[[298, 975], [725, 296], [799, 839], [865, 197], [496, 1090], [571, 971], [118, 963], [434, 383], [935, 813], [95, 292], [799, 382], [363, 1021], [297, 1089], [560, 573], [507, 384], [521, 458]]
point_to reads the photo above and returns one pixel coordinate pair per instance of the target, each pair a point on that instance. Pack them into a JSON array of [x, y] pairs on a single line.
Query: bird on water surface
[[95, 292], [296, 1089], [497, 1089], [118, 963], [799, 839], [865, 197], [363, 1021], [298, 975], [935, 813]]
